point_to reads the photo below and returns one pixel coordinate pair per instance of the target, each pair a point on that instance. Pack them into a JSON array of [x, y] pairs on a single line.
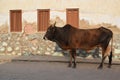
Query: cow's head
[[50, 32]]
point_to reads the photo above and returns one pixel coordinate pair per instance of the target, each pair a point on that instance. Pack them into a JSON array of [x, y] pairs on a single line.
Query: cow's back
[[88, 38]]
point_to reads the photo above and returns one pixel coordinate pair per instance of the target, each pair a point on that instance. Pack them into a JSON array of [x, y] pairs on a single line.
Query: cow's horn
[[54, 24]]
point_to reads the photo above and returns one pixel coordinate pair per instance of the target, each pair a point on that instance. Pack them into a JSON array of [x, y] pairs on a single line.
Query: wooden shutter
[[15, 20], [43, 16], [73, 17]]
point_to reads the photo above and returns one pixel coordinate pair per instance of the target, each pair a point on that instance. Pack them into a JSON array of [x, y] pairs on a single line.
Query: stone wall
[[33, 44], [26, 44]]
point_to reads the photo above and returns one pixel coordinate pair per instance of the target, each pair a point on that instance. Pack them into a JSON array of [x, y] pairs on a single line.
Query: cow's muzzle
[[44, 38]]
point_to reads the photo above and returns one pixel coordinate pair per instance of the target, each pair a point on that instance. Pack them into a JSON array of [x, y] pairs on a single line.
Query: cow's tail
[[111, 53]]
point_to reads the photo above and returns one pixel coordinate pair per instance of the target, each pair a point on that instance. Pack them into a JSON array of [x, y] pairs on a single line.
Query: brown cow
[[71, 38]]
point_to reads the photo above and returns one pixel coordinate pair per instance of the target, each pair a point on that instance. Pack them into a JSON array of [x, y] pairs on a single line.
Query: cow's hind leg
[[103, 58], [102, 63], [104, 48]]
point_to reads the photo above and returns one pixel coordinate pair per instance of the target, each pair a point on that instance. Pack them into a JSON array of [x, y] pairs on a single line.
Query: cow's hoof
[[69, 65], [74, 66], [100, 67], [109, 66]]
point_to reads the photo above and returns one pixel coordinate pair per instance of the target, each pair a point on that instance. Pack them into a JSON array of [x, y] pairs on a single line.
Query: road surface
[[56, 71]]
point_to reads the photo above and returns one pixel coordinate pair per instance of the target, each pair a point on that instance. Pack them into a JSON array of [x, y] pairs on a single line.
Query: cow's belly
[[85, 46]]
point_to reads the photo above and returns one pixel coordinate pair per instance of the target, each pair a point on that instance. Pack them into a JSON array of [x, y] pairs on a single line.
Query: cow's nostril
[[44, 37]]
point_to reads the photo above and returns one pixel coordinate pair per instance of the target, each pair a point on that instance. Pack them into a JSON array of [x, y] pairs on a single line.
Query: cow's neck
[[61, 38]]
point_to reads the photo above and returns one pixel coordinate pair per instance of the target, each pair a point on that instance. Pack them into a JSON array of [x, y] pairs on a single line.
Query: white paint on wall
[[95, 18], [54, 14], [29, 16], [4, 18]]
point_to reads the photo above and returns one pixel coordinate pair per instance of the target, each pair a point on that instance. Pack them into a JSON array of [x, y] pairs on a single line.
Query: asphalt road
[[56, 71]]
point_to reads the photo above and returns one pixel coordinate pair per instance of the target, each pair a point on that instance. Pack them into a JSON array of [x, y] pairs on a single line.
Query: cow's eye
[[48, 30]]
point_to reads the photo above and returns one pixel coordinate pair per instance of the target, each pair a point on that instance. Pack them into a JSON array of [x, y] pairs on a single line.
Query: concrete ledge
[[52, 59]]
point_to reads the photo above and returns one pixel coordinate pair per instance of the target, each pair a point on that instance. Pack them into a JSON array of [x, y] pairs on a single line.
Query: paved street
[[21, 70]]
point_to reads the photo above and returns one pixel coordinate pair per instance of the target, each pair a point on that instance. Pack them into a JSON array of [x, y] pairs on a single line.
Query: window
[[16, 20], [43, 16]]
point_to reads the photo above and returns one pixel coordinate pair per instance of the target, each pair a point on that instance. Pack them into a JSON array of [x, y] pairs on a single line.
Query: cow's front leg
[[70, 61], [74, 57]]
